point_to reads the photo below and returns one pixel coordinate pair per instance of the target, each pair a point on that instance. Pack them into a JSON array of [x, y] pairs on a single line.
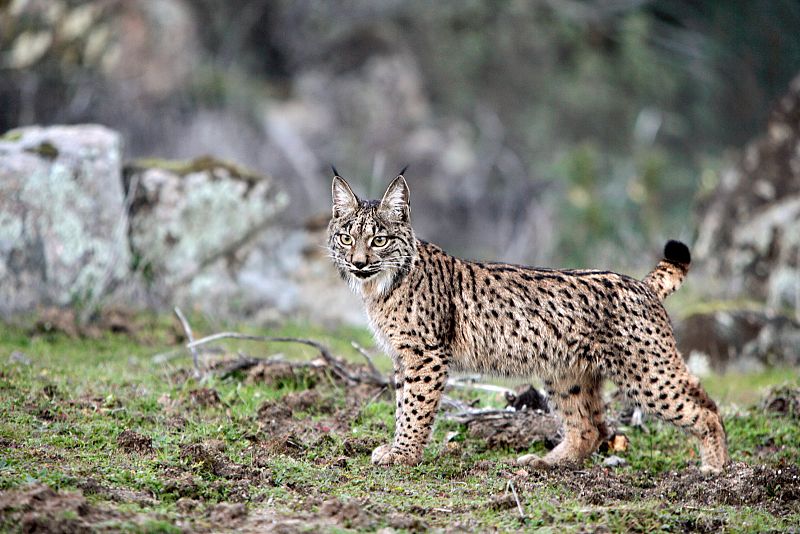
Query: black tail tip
[[677, 252]]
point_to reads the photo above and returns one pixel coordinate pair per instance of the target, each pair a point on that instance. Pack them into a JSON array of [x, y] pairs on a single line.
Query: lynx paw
[[709, 470], [386, 455], [534, 462]]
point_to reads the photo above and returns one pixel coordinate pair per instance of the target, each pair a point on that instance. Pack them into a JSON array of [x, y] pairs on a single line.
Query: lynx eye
[[379, 241], [345, 239]]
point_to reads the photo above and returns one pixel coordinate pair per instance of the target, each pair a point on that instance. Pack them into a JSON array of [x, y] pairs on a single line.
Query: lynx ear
[[344, 200], [395, 202]]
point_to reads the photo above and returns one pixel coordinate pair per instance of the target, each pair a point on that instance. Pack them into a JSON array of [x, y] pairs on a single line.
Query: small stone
[[615, 461]]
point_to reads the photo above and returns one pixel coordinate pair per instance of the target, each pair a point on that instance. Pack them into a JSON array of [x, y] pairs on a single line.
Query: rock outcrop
[[749, 231], [63, 222], [749, 247], [78, 230], [192, 223], [209, 235]]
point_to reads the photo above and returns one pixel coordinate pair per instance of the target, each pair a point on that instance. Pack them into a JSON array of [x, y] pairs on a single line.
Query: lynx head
[[371, 241]]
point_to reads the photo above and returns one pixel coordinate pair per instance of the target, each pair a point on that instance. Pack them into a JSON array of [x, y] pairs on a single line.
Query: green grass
[[63, 413]]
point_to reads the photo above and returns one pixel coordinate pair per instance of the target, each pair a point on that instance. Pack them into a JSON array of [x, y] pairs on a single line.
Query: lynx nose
[[359, 264]]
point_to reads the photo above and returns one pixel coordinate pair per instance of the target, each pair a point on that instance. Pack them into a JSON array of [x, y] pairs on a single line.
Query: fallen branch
[[471, 414], [244, 363], [509, 428], [336, 365]]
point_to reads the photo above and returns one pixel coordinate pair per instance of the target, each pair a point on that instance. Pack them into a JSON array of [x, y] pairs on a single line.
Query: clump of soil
[[361, 394], [227, 513], [776, 487], [180, 483], [309, 400], [44, 412], [176, 421], [407, 522], [277, 374], [134, 442], [349, 514], [208, 457], [741, 484], [288, 444], [482, 466], [504, 501], [274, 416], [91, 486], [204, 397], [39, 508], [359, 446]]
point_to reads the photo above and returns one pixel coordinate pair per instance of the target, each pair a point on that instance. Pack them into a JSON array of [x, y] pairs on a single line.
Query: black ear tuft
[[402, 172], [677, 252], [335, 172]]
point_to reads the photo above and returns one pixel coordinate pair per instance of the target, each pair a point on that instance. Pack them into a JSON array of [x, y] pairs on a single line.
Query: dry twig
[[469, 383], [335, 364], [190, 336], [510, 484], [374, 370]]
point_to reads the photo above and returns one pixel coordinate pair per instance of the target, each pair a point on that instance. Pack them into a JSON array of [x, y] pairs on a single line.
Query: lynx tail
[[670, 272]]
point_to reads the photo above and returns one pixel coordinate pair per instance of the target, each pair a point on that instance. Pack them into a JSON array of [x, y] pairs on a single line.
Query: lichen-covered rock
[[63, 223], [193, 227], [749, 231]]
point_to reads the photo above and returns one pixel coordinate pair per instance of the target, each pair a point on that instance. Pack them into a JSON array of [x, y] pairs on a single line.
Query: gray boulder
[[210, 236], [63, 222], [193, 228], [749, 231]]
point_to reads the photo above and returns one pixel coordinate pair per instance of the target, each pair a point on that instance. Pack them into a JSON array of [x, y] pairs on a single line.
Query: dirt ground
[[39, 508], [285, 447]]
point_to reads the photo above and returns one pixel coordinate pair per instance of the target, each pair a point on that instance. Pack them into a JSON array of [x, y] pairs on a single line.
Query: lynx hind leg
[[666, 388], [579, 403]]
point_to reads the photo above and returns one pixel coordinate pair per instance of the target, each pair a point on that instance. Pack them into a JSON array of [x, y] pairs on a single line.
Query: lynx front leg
[[382, 451], [418, 397]]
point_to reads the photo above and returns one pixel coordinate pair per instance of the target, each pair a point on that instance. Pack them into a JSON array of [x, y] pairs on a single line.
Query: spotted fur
[[434, 313]]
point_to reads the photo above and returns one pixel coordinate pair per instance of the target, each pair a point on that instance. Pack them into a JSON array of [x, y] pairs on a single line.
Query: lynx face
[[371, 242]]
